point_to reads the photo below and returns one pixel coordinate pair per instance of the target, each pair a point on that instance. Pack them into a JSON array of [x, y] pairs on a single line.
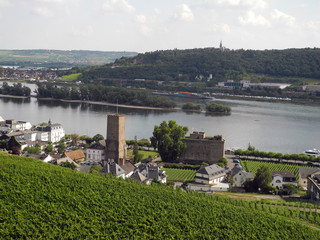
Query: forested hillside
[[187, 65], [39, 200]]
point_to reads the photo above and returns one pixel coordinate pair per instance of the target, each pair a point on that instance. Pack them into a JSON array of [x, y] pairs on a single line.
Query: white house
[[96, 152], [55, 131], [18, 125], [279, 178], [210, 174], [241, 177], [209, 179]]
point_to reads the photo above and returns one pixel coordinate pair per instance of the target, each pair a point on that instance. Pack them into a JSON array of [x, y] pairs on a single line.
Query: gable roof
[[75, 155], [128, 167], [305, 172], [211, 170], [138, 176], [114, 169], [98, 145], [237, 168], [282, 174], [248, 175]]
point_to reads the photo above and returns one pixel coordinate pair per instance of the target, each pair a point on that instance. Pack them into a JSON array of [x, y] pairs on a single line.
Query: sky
[[150, 25]]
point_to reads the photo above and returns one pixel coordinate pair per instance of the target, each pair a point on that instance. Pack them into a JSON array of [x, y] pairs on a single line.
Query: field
[[70, 77], [42, 201], [145, 154], [252, 166], [180, 174]]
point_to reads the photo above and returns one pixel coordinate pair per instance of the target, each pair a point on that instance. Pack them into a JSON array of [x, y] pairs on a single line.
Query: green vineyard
[[252, 166], [180, 174], [42, 201]]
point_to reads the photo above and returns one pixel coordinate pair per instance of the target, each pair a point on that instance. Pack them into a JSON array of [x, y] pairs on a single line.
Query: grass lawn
[[71, 77], [145, 154]]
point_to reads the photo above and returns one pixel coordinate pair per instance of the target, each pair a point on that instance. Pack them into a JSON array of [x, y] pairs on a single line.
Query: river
[[278, 127]]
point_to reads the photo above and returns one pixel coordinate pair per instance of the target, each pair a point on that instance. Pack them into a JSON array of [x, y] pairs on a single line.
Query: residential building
[[209, 179], [151, 171], [76, 155], [96, 152], [240, 177], [311, 88], [313, 188], [18, 125], [304, 173], [279, 178], [55, 131], [210, 174]]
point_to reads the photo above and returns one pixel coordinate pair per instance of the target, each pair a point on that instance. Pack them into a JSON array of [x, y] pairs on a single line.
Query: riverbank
[[259, 99], [13, 96], [110, 104]]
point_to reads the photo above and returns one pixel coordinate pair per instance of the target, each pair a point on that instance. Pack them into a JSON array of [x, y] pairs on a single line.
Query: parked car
[[236, 160]]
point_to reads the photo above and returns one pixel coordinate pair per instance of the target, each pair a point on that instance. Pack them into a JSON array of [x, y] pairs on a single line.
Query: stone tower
[[116, 144]]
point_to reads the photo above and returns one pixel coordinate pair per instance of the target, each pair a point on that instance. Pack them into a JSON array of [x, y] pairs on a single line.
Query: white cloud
[[251, 3], [117, 6], [183, 12], [52, 1], [141, 18], [43, 11], [4, 3], [254, 19], [287, 19], [226, 28], [145, 30], [313, 25]]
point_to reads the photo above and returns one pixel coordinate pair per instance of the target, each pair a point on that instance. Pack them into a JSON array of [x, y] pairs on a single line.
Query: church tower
[[116, 144]]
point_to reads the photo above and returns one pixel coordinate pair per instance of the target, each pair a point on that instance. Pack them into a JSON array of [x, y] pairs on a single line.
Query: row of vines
[[253, 166], [39, 200], [174, 174]]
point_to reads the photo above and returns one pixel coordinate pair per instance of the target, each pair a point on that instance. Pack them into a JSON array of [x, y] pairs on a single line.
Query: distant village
[[111, 156]]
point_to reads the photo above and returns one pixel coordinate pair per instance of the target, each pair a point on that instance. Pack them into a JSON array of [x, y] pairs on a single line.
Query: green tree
[[97, 137], [68, 165], [13, 143], [167, 139], [223, 162], [61, 146], [49, 148], [263, 178]]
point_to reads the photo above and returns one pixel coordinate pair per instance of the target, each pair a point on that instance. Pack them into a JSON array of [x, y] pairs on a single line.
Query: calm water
[[279, 127]]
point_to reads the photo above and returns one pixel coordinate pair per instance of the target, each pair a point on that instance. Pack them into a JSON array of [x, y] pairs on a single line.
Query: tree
[[223, 162], [74, 138], [263, 178], [137, 157], [167, 139], [13, 143], [67, 164], [97, 137], [49, 148], [61, 146]]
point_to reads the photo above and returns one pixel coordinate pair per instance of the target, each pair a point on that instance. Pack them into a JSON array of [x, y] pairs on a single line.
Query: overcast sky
[[149, 25]]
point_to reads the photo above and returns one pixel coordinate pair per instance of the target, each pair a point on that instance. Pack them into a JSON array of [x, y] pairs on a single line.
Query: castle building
[[201, 148], [116, 149]]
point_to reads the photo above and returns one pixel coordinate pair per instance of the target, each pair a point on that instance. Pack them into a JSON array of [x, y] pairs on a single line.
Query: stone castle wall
[[208, 150]]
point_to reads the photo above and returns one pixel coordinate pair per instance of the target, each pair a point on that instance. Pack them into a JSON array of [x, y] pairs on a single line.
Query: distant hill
[[59, 57], [188, 65], [39, 200]]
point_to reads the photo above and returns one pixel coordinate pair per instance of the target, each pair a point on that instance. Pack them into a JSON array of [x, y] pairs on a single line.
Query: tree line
[[16, 89], [103, 93]]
